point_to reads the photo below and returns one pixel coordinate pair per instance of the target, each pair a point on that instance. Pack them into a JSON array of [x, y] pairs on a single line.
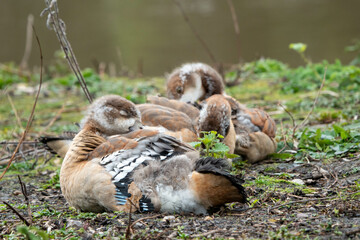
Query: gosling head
[[111, 115], [194, 81], [215, 115]]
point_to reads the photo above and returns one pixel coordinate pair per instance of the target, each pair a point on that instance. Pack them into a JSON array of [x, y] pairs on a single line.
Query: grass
[[332, 134]]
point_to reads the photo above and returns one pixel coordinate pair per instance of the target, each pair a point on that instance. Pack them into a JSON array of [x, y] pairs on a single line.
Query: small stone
[[298, 181], [74, 223], [303, 215], [208, 218], [168, 218], [16, 192]]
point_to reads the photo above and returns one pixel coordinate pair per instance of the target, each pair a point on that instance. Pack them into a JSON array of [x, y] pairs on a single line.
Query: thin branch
[[187, 20], [236, 25], [128, 228], [58, 25], [57, 115], [28, 125], [26, 196], [15, 111], [144, 218], [309, 200], [292, 119], [28, 43], [17, 213], [315, 101], [207, 233]]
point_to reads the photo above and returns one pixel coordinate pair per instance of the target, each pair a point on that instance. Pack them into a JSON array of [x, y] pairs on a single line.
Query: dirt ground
[[331, 210]]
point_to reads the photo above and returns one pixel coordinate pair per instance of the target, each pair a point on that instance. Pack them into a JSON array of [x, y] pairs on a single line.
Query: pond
[[153, 36]]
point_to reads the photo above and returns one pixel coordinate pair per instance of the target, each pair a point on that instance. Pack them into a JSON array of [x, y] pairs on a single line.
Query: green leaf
[[298, 47], [195, 144], [282, 156]]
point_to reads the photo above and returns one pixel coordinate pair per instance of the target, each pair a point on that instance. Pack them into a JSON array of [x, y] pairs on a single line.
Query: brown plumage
[[154, 172], [246, 121], [194, 81], [183, 107], [215, 115]]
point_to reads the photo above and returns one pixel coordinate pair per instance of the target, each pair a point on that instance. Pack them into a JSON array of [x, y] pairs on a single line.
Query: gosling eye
[[123, 113], [179, 89]]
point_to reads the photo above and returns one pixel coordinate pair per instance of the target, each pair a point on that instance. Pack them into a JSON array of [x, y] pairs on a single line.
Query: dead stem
[[58, 25], [56, 117], [17, 213], [236, 25], [15, 111], [28, 43], [187, 20], [128, 228], [28, 124], [26, 196], [315, 101], [207, 233], [144, 218]]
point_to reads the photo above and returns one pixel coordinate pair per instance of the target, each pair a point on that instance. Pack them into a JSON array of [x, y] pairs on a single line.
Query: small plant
[[181, 234], [210, 146], [32, 233], [300, 48], [54, 182]]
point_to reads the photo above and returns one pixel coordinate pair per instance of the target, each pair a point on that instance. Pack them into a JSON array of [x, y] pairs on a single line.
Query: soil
[[330, 211]]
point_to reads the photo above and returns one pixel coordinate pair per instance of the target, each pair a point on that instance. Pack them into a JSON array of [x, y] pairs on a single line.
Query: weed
[[181, 234], [210, 146]]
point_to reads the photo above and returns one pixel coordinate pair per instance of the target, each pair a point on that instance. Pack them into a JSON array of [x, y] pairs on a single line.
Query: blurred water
[[156, 34]]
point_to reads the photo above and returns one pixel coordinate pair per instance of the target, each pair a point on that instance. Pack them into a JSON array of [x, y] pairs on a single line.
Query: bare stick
[[17, 213], [128, 229], [15, 112], [28, 43], [309, 200], [207, 233], [236, 25], [292, 119], [58, 114], [315, 101], [195, 32], [32, 111], [144, 218], [58, 25], [26, 196]]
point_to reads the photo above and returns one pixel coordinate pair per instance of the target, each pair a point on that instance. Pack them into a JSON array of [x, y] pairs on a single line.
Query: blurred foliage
[[354, 48], [325, 144]]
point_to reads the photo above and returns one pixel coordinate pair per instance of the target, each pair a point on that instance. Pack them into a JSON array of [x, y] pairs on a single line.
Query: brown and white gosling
[[154, 172]]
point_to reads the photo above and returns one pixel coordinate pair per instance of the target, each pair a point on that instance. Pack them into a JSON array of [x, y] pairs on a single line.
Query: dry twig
[[56, 117], [58, 25], [17, 213], [26, 196], [195, 32], [207, 233], [32, 111], [128, 228], [15, 111], [144, 218], [315, 101], [236, 25], [28, 43]]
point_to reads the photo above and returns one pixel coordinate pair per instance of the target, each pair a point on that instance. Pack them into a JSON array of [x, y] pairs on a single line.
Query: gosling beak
[[137, 125]]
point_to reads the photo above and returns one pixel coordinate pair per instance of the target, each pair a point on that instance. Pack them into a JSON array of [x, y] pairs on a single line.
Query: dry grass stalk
[[58, 25], [28, 124], [236, 25], [28, 43], [187, 20], [18, 120]]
